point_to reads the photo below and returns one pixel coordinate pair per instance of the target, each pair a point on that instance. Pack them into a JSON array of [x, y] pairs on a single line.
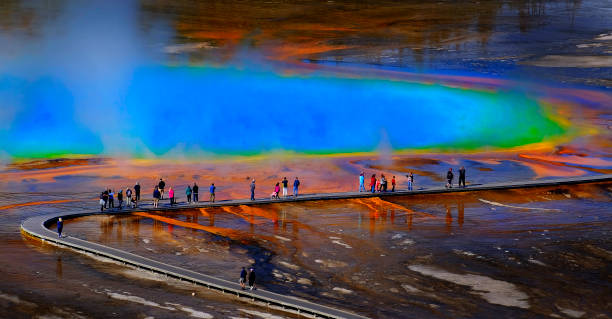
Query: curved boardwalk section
[[38, 227]]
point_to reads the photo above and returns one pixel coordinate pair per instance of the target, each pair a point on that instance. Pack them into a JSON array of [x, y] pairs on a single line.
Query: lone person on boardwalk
[[171, 196], [137, 190], [253, 189], [285, 183], [188, 193], [361, 182], [60, 227], [195, 190], [252, 279], [161, 186], [212, 192], [449, 178], [410, 181], [243, 277], [373, 183], [296, 186], [462, 176]]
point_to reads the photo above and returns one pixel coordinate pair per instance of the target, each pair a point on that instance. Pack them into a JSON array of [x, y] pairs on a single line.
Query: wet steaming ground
[[519, 253]]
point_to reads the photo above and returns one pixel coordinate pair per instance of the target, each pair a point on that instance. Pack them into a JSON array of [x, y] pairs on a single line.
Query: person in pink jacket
[[171, 195]]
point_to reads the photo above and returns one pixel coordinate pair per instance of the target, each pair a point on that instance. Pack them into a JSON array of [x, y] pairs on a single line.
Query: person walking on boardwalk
[[393, 184], [276, 191], [253, 189], [134, 201], [296, 186], [449, 178], [243, 278], [361, 182], [171, 196], [373, 183], [102, 202], [137, 190], [120, 198], [188, 193], [128, 198], [161, 185], [195, 189], [462, 176], [60, 227], [285, 183], [252, 278], [212, 192], [156, 197]]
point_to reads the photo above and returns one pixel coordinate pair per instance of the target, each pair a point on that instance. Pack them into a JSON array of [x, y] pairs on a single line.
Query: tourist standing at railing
[[296, 186], [212, 192], [285, 183], [171, 196], [361, 182], [373, 183], [188, 192], [137, 190], [161, 185], [449, 178], [393, 184], [462, 176], [195, 189], [253, 189]]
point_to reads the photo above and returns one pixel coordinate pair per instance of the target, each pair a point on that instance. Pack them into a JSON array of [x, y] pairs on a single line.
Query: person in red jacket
[[393, 184], [373, 183]]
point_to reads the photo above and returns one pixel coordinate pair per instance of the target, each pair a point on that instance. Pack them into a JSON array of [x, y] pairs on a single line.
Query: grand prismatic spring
[[97, 95]]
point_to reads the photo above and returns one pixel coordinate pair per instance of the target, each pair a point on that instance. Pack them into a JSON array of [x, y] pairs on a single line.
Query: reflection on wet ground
[[542, 251]]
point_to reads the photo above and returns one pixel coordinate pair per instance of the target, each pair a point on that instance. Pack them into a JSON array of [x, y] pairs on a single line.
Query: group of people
[[376, 185], [277, 188], [450, 176], [247, 277], [191, 192], [107, 198]]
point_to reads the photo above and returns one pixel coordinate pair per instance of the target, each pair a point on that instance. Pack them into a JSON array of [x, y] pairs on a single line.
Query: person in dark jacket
[[161, 187], [120, 198], [111, 199], [296, 186], [156, 196], [137, 191], [195, 190], [243, 276], [60, 227], [105, 198], [462, 176], [252, 279], [449, 178], [253, 189]]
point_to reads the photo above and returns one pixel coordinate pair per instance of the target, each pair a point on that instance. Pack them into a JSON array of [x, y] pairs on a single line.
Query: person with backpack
[[296, 185], [188, 193], [195, 190], [212, 192]]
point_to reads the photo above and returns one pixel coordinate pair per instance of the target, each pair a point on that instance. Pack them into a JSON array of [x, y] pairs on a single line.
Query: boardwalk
[[38, 227]]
